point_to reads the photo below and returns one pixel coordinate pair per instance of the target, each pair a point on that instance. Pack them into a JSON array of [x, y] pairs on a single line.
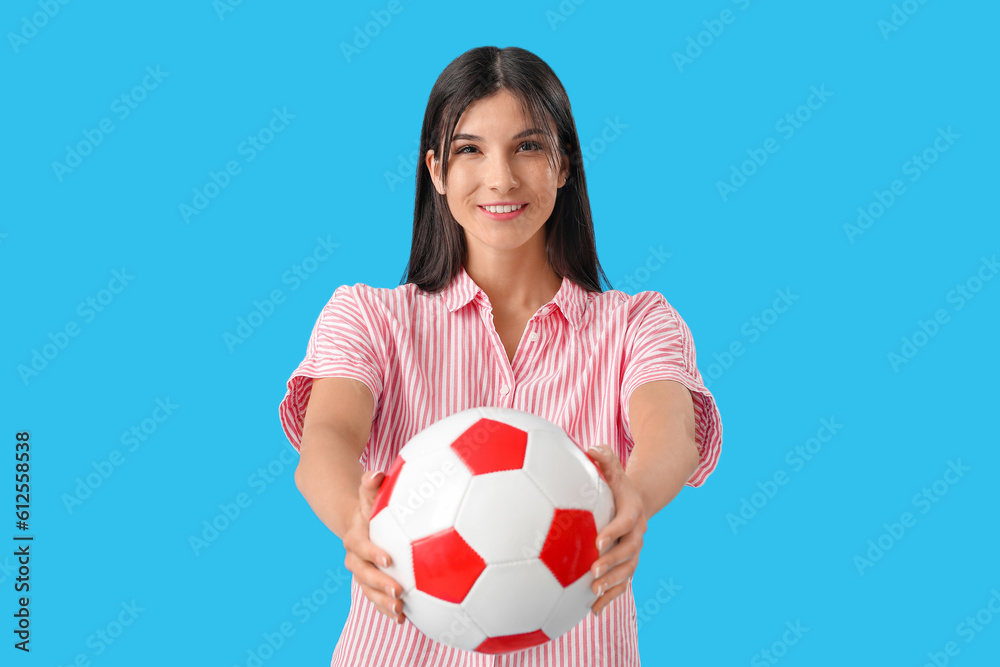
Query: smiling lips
[[501, 211], [501, 207]]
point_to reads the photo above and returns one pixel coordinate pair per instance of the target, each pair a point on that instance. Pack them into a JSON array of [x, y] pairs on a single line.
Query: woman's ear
[[434, 167], [564, 170]]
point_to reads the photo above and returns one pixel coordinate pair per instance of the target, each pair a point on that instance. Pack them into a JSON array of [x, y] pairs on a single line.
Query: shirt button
[[504, 390], [533, 336]]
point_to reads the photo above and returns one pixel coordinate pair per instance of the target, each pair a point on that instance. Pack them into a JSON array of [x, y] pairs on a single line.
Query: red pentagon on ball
[[569, 548], [445, 566], [385, 491], [489, 446], [508, 643]]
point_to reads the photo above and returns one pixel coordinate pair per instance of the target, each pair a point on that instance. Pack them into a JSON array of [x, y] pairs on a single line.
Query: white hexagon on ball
[[604, 510], [385, 532], [575, 602], [428, 492], [443, 621], [502, 516], [440, 434], [563, 473], [496, 601]]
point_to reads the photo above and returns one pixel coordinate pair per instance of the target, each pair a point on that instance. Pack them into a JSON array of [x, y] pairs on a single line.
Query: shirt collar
[[570, 299]]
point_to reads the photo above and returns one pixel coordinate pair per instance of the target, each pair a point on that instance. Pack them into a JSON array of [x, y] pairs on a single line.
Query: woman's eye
[[532, 145]]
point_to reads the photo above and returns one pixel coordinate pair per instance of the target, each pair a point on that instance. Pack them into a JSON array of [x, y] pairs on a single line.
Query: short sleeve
[[658, 346], [344, 343]]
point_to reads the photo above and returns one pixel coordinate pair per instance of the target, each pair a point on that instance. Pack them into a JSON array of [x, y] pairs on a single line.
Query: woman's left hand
[[614, 569]]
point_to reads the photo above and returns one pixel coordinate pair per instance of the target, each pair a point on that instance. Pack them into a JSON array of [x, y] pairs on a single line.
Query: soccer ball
[[490, 517]]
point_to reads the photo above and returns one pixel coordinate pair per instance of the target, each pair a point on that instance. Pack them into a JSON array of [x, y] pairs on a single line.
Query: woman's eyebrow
[[472, 137]]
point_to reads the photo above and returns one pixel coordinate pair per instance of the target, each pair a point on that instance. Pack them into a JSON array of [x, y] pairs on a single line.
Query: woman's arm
[[665, 453], [335, 431], [663, 458]]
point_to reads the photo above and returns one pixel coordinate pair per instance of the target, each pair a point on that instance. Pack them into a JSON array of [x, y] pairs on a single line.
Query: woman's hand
[[362, 554], [613, 570]]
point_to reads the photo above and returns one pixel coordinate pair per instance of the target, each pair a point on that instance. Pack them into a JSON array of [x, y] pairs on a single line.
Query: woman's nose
[[500, 175]]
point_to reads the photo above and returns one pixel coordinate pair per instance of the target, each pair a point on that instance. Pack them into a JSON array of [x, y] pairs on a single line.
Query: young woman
[[500, 305]]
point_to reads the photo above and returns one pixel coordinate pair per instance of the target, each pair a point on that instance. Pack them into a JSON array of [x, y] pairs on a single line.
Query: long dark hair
[[438, 248]]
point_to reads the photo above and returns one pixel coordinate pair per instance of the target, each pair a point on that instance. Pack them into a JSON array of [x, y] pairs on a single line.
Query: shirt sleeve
[[658, 346], [343, 344]]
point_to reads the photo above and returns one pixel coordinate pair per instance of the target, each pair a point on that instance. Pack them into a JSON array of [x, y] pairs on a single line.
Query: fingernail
[[384, 561], [601, 543], [597, 572], [391, 593]]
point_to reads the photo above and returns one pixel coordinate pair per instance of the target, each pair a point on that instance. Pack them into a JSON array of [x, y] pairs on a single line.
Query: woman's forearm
[[328, 476], [660, 471], [665, 452]]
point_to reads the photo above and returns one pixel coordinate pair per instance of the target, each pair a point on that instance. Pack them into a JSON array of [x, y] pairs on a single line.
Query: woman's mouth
[[503, 211]]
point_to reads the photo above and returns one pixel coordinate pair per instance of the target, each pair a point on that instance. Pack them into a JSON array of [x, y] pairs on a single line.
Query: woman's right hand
[[362, 554]]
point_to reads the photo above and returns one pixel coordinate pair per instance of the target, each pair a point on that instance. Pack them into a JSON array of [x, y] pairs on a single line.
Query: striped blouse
[[426, 356]]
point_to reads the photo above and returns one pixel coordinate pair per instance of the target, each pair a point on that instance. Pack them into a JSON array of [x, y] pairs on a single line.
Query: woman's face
[[496, 159]]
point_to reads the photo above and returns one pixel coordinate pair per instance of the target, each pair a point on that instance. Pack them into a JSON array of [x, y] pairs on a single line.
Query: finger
[[623, 552], [368, 551], [619, 574], [625, 520], [370, 483], [368, 575], [391, 609], [605, 599], [605, 460]]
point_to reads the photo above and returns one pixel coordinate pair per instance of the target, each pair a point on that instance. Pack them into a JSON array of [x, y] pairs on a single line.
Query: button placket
[[505, 369]]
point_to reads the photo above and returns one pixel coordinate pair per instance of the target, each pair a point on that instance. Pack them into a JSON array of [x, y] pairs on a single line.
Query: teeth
[[502, 209]]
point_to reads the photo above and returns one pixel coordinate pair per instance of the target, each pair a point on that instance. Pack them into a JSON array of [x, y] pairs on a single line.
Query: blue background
[[687, 125]]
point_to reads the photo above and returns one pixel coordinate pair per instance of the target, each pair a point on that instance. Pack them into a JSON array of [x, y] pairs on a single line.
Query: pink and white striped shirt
[[426, 356]]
